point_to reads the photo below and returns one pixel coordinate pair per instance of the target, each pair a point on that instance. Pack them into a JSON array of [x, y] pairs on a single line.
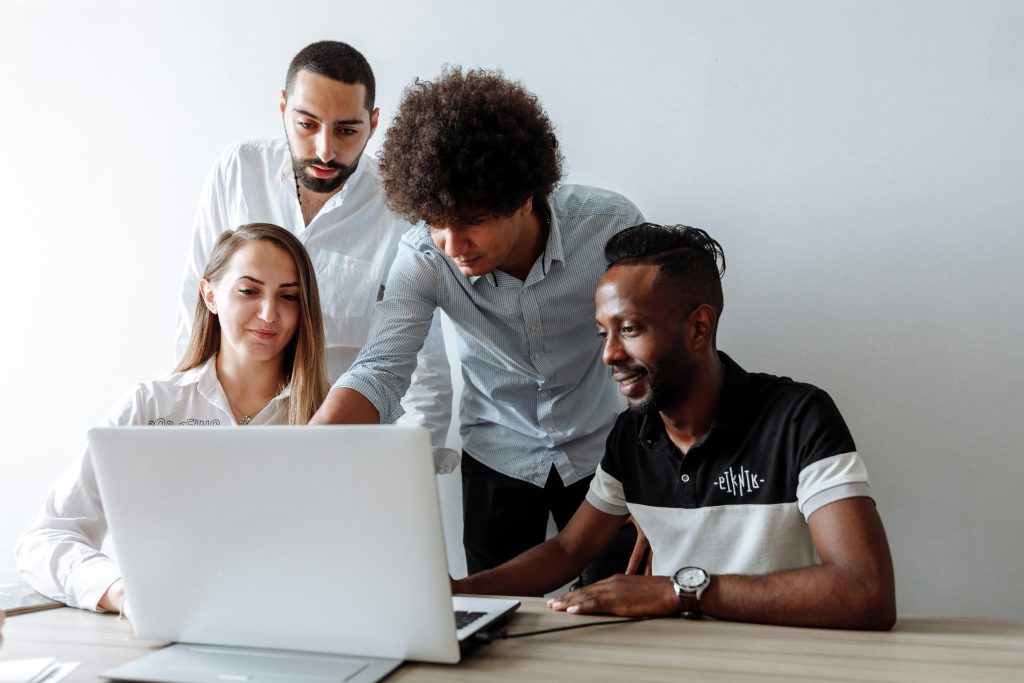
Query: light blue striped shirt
[[536, 392]]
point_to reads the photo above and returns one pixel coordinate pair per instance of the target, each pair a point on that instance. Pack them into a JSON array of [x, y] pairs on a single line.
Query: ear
[[284, 101], [206, 291], [527, 206], [374, 118], [700, 331]]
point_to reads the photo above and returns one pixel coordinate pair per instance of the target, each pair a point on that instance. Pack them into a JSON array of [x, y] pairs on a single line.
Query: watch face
[[691, 577]]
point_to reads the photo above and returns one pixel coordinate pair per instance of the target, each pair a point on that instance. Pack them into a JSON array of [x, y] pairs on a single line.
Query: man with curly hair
[[513, 259], [317, 182]]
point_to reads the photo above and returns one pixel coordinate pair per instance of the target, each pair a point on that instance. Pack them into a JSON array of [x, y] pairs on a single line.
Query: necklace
[[247, 419]]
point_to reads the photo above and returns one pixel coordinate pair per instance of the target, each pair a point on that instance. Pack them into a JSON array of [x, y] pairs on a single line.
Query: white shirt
[[60, 554], [352, 242]]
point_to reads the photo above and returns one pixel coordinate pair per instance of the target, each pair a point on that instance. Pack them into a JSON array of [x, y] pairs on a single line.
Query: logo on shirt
[[188, 422], [739, 483]]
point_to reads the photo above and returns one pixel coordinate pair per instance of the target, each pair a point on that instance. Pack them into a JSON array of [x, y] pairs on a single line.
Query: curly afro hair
[[468, 146]]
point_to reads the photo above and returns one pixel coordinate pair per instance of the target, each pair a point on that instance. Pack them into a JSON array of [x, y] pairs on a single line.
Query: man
[[317, 182], [748, 486], [513, 262]]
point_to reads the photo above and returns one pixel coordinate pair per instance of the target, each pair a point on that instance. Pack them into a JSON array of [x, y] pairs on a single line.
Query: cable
[[503, 634]]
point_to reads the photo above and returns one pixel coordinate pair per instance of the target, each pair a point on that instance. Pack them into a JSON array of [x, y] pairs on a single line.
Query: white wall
[[857, 160]]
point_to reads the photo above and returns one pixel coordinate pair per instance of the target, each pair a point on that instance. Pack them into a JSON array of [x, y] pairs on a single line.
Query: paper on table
[[39, 670]]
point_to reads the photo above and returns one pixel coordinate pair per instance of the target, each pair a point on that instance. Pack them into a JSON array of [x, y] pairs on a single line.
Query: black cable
[[504, 634]]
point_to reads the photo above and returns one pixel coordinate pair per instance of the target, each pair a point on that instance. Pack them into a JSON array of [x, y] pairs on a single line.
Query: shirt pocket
[[348, 290]]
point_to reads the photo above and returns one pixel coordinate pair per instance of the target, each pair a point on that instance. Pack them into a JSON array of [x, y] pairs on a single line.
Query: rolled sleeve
[[606, 494]]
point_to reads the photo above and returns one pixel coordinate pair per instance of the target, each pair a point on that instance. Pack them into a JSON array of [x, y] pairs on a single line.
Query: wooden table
[[930, 650]]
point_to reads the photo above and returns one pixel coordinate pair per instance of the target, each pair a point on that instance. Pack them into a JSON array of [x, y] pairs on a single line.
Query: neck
[[249, 384], [533, 238], [311, 202], [688, 422]]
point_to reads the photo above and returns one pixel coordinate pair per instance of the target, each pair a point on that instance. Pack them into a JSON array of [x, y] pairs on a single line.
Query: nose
[[268, 309], [325, 145], [614, 353], [455, 244]]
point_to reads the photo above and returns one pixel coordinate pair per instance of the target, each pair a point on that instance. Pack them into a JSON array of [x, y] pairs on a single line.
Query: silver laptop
[[281, 553]]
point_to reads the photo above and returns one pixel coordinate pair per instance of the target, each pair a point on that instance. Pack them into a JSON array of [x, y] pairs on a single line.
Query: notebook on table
[[311, 553]]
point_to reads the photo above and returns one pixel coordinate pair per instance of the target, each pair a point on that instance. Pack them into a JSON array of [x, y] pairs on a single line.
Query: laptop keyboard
[[464, 618]]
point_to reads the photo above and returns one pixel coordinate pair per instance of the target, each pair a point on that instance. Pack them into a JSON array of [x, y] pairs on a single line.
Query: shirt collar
[[204, 376], [729, 413]]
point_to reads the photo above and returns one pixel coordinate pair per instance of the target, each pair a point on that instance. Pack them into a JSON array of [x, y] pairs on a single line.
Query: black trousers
[[503, 516]]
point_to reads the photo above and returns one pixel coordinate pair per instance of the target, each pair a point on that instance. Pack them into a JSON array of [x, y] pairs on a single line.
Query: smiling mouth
[[263, 334], [628, 376]]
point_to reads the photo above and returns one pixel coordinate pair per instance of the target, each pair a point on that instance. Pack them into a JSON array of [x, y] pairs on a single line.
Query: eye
[[630, 330], [247, 291], [290, 298], [307, 125], [602, 334], [346, 132]]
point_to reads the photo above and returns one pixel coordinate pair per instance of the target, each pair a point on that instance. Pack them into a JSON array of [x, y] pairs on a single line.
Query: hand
[[2, 617], [114, 599], [627, 596], [642, 547]]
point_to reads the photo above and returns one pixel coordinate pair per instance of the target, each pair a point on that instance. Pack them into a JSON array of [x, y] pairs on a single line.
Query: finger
[[635, 558], [649, 569]]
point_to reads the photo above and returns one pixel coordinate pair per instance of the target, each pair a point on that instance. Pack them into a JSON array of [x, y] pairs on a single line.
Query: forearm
[[820, 596], [537, 571], [346, 406]]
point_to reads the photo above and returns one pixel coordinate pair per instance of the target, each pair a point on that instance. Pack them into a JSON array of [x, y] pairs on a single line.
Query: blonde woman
[[256, 356]]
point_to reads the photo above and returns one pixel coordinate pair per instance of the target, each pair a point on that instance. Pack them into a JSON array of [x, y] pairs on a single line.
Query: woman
[[256, 356]]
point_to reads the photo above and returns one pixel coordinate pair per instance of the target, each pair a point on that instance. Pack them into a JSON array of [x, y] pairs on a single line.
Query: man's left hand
[[627, 596]]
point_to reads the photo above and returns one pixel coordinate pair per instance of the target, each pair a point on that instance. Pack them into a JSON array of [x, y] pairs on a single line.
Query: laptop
[[309, 553]]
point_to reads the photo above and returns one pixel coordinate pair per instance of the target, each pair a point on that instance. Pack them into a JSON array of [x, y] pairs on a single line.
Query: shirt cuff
[[387, 412], [89, 581], [604, 506], [858, 489]]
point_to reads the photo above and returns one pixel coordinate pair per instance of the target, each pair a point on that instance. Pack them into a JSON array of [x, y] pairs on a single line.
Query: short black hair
[[337, 61], [687, 257], [467, 146]]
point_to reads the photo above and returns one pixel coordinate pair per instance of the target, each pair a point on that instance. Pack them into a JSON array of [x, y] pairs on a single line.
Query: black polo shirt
[[738, 501]]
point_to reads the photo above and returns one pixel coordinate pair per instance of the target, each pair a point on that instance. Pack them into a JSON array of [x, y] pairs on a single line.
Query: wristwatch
[[690, 583]]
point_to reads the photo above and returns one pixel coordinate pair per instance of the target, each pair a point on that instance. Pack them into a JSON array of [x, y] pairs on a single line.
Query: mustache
[[329, 164], [622, 367]]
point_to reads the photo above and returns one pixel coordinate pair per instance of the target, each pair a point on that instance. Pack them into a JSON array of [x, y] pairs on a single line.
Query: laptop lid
[[316, 538]]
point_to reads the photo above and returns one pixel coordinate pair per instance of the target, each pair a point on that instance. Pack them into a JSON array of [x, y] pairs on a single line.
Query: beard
[[322, 185], [670, 382]]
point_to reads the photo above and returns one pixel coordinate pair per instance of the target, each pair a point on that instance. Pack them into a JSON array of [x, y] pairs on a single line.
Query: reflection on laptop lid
[[313, 539]]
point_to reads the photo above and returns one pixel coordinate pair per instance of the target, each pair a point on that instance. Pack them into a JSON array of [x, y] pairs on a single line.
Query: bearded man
[[317, 182]]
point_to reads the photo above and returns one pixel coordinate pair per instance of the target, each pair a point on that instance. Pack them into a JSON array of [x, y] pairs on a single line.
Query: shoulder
[[799, 401], [157, 398], [251, 156], [802, 415], [585, 200], [417, 238]]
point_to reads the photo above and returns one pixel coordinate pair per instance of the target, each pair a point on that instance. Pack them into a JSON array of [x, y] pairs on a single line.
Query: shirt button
[[685, 478], [533, 328], [550, 429], [536, 355]]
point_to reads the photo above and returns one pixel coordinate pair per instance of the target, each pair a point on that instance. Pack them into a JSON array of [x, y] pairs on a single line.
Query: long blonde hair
[[304, 363]]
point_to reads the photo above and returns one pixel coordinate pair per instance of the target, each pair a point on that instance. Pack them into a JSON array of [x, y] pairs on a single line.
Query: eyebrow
[[261, 282], [341, 122]]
